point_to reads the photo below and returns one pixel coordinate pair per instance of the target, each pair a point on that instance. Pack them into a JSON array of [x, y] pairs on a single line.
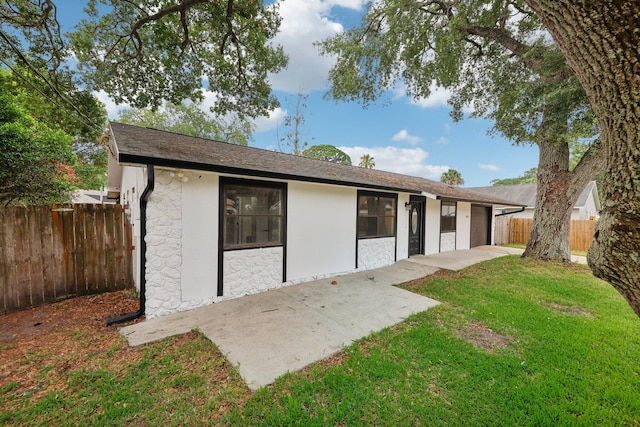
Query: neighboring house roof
[[142, 146], [525, 194]]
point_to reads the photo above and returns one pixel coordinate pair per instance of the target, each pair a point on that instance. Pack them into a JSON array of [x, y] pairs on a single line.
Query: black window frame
[[448, 223], [225, 184], [377, 216]]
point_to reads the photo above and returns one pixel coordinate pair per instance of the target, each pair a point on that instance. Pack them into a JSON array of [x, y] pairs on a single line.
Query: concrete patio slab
[[269, 334]]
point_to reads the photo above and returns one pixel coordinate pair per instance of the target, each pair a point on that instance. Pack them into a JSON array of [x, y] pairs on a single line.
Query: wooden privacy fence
[[517, 231], [51, 253]]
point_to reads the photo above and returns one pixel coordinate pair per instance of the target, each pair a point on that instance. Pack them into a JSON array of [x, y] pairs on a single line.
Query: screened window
[[253, 215], [376, 215], [448, 217]]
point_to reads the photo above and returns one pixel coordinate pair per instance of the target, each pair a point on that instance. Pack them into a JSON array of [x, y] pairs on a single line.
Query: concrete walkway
[[268, 334]]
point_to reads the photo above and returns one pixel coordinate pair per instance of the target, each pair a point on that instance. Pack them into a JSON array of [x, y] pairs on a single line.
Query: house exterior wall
[[183, 239], [321, 231], [402, 227], [375, 253], [463, 225], [199, 236], [432, 227], [250, 271], [588, 211], [133, 183], [164, 247]]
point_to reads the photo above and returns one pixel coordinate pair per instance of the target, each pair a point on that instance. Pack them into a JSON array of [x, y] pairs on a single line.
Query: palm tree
[[452, 177], [366, 161]]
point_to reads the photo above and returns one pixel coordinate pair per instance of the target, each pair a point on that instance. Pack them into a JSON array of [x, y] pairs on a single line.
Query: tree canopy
[[149, 51], [452, 177], [328, 153], [498, 61], [34, 159], [190, 119], [86, 125], [367, 162], [529, 177]]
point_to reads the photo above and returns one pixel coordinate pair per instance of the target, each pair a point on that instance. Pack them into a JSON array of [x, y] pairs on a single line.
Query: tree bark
[[549, 238], [558, 189], [601, 40]]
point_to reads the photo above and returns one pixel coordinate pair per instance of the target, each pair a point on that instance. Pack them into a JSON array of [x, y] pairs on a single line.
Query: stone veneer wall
[[250, 271], [375, 253], [448, 241], [164, 247]]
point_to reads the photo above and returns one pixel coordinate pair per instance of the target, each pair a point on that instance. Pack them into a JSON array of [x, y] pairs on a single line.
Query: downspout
[[143, 251]]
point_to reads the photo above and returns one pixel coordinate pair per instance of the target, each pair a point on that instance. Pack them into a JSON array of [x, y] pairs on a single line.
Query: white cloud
[[112, 108], [404, 135], [263, 124], [438, 97], [442, 140], [488, 167], [408, 161], [303, 23]]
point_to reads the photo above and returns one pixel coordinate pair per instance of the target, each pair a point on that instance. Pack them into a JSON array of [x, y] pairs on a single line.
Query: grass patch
[[503, 348], [523, 247], [514, 342], [179, 381]]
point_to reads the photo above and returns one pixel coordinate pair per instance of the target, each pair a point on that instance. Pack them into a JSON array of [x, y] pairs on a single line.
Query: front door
[[480, 225], [416, 225]]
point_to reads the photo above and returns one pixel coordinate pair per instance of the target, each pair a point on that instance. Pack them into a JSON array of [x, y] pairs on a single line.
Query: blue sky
[[405, 136]]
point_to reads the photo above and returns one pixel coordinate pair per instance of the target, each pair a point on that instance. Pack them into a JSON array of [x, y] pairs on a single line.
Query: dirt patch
[[568, 310], [93, 310], [484, 337], [64, 335]]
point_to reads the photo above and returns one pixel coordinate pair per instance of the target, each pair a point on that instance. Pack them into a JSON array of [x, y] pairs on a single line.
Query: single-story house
[[215, 221], [587, 206]]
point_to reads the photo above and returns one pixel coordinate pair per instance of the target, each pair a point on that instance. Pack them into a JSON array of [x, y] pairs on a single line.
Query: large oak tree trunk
[[601, 41], [558, 189], [549, 238]]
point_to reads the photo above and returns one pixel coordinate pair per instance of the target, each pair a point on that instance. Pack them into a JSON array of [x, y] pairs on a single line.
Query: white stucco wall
[[432, 227], [375, 253], [463, 225], [250, 271], [402, 228], [133, 183], [199, 237], [182, 239], [321, 231]]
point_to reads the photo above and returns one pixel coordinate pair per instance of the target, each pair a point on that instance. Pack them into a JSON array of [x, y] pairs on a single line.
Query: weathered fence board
[[517, 230], [51, 253]]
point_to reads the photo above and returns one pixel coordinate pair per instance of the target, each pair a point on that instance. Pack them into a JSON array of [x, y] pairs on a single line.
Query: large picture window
[[376, 214], [448, 217], [253, 214]]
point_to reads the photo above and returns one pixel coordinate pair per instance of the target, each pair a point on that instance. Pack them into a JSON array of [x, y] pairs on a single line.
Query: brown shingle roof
[[525, 194], [140, 145]]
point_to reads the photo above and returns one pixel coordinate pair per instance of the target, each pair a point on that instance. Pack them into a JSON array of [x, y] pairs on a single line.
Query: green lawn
[[514, 342]]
